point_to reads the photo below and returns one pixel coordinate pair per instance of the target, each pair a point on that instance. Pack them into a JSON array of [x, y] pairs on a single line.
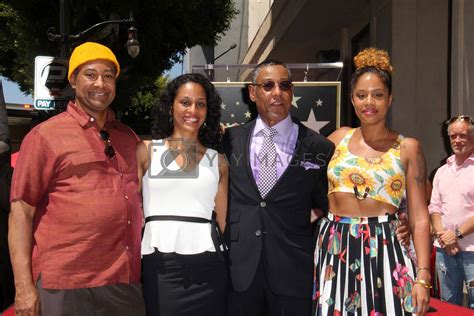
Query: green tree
[[165, 29], [138, 114]]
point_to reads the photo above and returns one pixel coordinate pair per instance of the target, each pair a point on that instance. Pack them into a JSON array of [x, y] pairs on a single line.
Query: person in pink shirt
[[452, 214]]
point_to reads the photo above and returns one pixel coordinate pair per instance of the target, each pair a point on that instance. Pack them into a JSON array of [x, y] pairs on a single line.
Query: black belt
[[216, 235]]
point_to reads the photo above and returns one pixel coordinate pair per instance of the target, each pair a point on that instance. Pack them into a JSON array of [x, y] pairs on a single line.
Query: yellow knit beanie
[[91, 51]]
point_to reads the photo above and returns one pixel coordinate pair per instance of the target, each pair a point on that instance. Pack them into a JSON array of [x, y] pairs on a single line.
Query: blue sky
[[13, 93]]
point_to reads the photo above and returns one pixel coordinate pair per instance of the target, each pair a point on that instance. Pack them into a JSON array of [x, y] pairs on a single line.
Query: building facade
[[429, 41]]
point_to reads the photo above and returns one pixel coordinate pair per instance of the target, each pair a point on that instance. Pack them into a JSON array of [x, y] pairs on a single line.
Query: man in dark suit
[[277, 176]]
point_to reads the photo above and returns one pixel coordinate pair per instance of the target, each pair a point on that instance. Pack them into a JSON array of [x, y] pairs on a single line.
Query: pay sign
[[52, 89]]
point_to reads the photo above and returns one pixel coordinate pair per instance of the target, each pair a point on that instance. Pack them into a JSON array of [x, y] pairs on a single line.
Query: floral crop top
[[380, 178]]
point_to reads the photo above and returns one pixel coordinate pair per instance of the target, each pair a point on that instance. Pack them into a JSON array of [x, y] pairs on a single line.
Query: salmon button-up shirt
[[88, 219]]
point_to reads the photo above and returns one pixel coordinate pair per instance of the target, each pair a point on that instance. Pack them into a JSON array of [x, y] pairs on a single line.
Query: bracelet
[[423, 283], [422, 268]]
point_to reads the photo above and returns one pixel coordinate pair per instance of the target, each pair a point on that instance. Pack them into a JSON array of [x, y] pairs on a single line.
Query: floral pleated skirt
[[361, 268]]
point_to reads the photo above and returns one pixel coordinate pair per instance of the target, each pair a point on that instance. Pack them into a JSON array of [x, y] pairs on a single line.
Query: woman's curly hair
[[210, 133], [375, 61]]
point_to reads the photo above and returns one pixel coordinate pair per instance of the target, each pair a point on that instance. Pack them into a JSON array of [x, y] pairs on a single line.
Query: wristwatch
[[458, 233]]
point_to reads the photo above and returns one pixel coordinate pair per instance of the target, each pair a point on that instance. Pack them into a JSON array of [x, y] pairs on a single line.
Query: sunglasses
[[269, 85], [462, 118], [109, 151]]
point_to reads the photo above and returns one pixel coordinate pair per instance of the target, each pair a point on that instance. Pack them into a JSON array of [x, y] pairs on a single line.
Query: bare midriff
[[347, 205]]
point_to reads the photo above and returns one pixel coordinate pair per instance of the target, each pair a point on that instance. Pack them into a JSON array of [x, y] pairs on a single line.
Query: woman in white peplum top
[[184, 183]]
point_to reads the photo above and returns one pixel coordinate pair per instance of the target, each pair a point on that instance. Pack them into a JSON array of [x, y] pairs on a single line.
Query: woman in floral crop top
[[361, 267]]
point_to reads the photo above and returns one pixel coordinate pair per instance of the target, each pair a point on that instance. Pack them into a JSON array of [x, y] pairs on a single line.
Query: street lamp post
[[133, 46], [63, 27], [64, 38]]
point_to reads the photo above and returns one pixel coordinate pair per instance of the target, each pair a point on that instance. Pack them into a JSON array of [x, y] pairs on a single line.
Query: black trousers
[[184, 285], [260, 300]]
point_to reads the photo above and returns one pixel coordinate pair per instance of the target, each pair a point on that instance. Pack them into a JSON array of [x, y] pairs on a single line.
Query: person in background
[[184, 184], [452, 214], [361, 266], [75, 221], [7, 289]]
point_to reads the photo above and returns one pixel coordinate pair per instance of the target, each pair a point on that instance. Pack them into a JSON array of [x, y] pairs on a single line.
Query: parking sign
[[52, 89]]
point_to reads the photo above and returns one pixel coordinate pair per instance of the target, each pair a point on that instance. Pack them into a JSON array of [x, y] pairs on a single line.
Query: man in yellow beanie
[[75, 222]]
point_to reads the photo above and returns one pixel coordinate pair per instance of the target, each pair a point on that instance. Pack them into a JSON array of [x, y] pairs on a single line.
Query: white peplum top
[[167, 191]]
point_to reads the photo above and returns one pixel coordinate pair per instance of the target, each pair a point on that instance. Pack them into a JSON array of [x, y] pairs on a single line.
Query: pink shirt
[[453, 197]]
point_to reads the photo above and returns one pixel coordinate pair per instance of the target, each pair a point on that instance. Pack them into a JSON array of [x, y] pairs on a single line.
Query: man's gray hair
[[462, 118], [266, 63]]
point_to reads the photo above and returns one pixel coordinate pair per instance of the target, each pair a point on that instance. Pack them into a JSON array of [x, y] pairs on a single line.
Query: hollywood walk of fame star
[[295, 101], [313, 123]]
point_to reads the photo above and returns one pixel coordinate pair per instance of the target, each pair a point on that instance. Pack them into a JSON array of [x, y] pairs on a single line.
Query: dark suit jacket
[[276, 228]]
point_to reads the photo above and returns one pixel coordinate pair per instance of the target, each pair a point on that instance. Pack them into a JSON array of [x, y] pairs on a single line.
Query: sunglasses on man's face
[[462, 118], [109, 151], [269, 85]]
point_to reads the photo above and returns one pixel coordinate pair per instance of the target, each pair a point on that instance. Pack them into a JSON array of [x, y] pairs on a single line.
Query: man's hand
[[452, 250], [316, 213], [447, 238], [27, 301], [403, 231]]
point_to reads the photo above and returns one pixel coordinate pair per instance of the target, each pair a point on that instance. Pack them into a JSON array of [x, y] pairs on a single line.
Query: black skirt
[[184, 285]]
